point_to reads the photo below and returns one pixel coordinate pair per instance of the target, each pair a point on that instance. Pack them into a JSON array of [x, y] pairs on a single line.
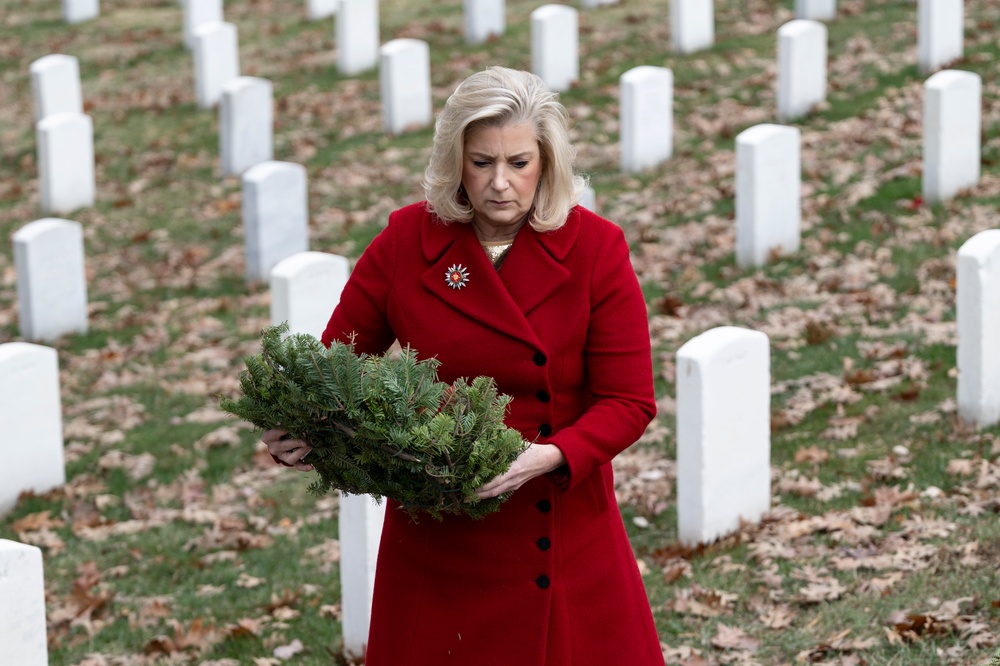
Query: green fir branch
[[381, 425]]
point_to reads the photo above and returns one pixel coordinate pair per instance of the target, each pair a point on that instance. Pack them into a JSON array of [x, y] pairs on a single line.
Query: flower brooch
[[457, 276]]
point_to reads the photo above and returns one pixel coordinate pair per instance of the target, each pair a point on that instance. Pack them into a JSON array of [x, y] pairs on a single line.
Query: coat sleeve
[[361, 315], [619, 369]]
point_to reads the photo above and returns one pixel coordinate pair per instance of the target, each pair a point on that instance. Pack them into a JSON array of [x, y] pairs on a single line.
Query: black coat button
[[542, 581], [545, 430], [544, 506], [539, 358], [543, 396], [544, 543]]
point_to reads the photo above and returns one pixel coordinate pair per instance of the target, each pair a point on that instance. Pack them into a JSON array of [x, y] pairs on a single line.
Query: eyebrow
[[519, 156]]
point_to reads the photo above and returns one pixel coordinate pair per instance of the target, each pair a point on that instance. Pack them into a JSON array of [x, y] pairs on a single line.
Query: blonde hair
[[501, 97]]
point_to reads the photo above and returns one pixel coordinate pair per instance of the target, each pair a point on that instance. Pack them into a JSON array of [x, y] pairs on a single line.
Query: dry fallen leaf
[[290, 650], [733, 638]]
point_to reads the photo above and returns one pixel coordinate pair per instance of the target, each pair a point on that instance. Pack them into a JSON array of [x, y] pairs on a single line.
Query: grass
[[212, 554]]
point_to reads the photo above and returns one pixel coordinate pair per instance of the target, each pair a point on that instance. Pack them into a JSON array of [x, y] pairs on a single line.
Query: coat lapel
[[530, 274], [533, 270]]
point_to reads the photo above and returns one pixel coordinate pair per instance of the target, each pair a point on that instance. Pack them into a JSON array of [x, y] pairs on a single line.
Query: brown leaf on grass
[[87, 606], [702, 602], [777, 617], [811, 454], [684, 655], [197, 638], [879, 587], [290, 650], [836, 644], [733, 638], [248, 582], [224, 537], [947, 619], [332, 611], [796, 484], [829, 589], [224, 436], [43, 538], [885, 469], [286, 598], [151, 612], [37, 521], [245, 627], [889, 496], [136, 467], [675, 568], [961, 467]]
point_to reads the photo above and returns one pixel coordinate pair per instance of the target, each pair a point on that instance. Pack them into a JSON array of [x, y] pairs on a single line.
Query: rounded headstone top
[[982, 246], [797, 27], [38, 228], [9, 350], [721, 340], [403, 44], [765, 131], [546, 11], [265, 170], [644, 73], [950, 77], [300, 261], [54, 60]]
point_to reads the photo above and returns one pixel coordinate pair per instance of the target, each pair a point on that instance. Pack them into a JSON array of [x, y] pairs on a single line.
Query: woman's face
[[501, 170]]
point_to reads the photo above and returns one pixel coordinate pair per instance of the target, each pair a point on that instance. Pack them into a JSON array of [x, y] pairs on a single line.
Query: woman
[[499, 273]]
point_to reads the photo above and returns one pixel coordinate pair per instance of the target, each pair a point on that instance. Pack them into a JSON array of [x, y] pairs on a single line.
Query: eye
[[480, 163], [520, 164]]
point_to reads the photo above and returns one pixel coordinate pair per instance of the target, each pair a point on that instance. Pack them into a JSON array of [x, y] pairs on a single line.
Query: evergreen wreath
[[381, 425]]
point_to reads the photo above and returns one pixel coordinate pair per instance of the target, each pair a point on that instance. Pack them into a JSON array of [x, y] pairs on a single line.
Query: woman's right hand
[[289, 452]]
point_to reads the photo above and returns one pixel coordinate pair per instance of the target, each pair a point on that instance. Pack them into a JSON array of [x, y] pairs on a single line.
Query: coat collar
[[531, 273]]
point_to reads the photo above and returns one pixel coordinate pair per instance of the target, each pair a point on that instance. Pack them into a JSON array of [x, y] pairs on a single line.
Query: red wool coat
[[550, 579]]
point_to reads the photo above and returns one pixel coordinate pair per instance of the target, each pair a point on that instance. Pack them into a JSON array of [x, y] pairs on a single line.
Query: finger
[[303, 467], [272, 435], [282, 447]]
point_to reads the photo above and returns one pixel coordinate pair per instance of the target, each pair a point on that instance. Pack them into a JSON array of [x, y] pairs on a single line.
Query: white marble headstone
[[360, 525], [588, 199], [405, 84], [216, 60], [692, 25], [484, 19], [647, 117], [952, 124], [305, 288], [978, 319], [723, 432], [555, 46], [357, 36], [246, 124], [78, 11], [768, 193], [320, 9], [198, 13], [940, 33], [816, 10], [801, 81], [55, 85], [51, 279], [65, 162], [31, 413], [275, 215], [22, 605]]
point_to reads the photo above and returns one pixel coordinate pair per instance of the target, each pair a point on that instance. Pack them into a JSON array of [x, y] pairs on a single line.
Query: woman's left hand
[[534, 461]]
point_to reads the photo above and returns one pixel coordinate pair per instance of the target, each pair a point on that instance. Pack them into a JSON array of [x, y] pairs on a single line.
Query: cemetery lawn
[[176, 540]]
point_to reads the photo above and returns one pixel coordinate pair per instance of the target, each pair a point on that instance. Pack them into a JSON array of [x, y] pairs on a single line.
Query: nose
[[499, 179]]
